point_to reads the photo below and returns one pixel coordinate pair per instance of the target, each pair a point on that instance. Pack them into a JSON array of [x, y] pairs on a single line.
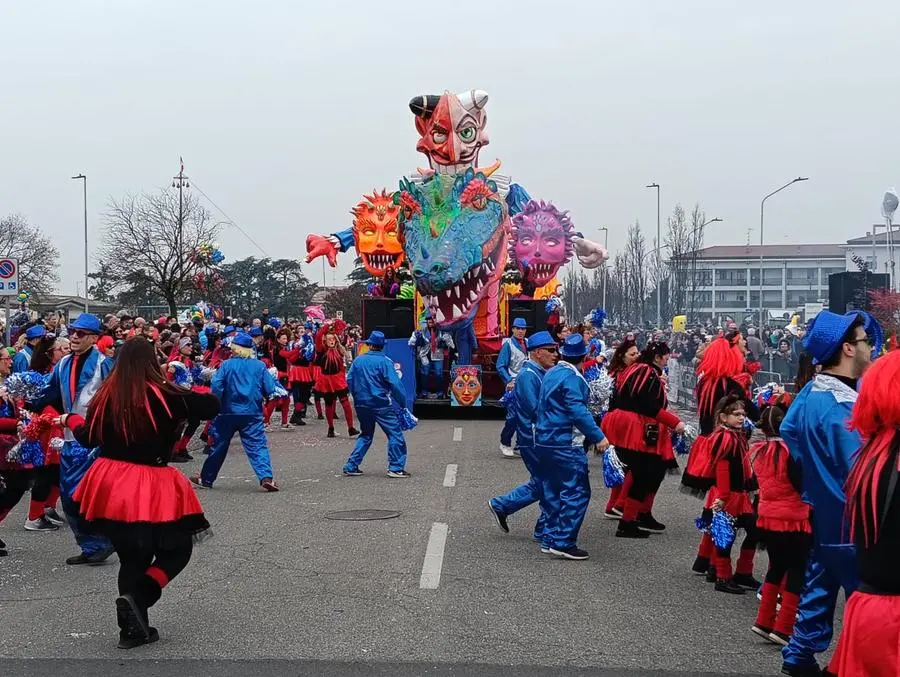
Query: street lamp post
[[83, 180], [658, 267], [180, 181], [694, 245], [762, 206], [888, 207], [605, 273]]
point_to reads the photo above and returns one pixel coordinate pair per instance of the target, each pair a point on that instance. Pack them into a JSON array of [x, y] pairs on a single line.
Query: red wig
[[722, 359], [876, 417]]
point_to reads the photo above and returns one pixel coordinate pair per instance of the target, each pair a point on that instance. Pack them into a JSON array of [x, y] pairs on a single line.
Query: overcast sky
[[286, 112]]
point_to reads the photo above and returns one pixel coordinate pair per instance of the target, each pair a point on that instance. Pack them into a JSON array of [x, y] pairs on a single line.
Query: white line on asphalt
[[434, 557], [450, 475], [457, 434]]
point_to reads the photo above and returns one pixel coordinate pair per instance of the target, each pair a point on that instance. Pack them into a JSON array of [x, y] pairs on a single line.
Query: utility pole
[[180, 181], [605, 230], [658, 264], [83, 180]]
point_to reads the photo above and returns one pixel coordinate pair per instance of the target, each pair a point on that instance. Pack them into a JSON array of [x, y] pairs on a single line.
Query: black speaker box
[[393, 317], [850, 291], [534, 312]]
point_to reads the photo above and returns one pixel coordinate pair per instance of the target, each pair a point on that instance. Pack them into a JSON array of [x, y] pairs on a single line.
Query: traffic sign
[[9, 277]]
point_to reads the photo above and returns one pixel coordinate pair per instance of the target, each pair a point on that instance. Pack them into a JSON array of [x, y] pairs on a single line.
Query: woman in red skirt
[[302, 374], [870, 640], [148, 510], [625, 354], [331, 383]]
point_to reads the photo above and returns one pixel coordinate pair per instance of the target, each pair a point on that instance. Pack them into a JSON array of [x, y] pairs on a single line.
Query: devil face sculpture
[[451, 128], [541, 241], [455, 237], [377, 233]]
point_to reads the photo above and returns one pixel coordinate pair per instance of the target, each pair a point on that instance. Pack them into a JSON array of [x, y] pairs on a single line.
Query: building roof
[[321, 295], [772, 251], [59, 300], [880, 238]]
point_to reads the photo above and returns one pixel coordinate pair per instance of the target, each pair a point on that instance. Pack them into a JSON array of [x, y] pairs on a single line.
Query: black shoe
[[730, 587], [181, 457], [187, 455], [352, 432], [330, 432], [500, 517], [711, 574], [3, 551], [94, 559], [127, 641], [398, 474], [295, 417], [801, 670], [299, 421], [573, 553], [54, 517], [319, 417], [353, 473], [647, 521], [700, 566], [631, 530], [133, 628], [746, 581]]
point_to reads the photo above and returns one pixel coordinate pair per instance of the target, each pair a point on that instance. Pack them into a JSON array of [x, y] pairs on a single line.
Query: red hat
[[105, 342]]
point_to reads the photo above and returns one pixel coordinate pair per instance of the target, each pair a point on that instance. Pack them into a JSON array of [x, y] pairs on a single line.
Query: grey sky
[[286, 112]]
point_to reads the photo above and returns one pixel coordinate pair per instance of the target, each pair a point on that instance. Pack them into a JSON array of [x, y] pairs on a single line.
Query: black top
[[643, 391], [155, 449], [879, 565]]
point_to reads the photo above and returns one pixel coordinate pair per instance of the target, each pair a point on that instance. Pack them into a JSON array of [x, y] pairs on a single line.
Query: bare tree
[[698, 219], [636, 266], [38, 257], [678, 244], [142, 234]]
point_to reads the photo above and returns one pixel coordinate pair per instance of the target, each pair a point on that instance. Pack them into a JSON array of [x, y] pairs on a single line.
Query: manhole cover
[[361, 515]]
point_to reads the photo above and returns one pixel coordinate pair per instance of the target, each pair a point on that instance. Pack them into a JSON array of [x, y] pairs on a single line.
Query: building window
[[731, 278], [771, 277]]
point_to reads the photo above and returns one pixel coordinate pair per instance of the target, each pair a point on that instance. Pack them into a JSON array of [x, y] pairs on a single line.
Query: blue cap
[[87, 323], [539, 340], [573, 347], [243, 340], [210, 330], [519, 323], [824, 334], [35, 332], [229, 329], [255, 331], [376, 339]]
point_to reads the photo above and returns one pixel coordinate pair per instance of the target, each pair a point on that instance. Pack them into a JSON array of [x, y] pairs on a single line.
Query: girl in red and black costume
[[729, 451], [185, 348], [640, 429], [301, 375], [870, 640], [782, 524], [721, 372], [147, 509], [625, 354], [14, 477], [331, 383], [275, 354]]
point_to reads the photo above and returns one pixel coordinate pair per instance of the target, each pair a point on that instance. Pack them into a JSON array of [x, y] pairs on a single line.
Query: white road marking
[[457, 434], [434, 557], [450, 475]]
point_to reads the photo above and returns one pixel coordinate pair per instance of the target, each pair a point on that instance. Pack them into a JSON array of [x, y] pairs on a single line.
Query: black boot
[[701, 565], [330, 432], [630, 530], [295, 417], [730, 587], [647, 521]]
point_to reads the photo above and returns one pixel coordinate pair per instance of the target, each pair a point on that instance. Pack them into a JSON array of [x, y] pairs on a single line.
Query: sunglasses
[[551, 350], [870, 340], [78, 333]]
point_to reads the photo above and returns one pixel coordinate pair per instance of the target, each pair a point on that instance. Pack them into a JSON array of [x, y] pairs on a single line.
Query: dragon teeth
[[439, 315], [472, 297]]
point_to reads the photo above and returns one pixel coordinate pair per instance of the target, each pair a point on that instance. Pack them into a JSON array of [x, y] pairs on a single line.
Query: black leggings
[[45, 479], [137, 562], [14, 484], [788, 552], [647, 472]]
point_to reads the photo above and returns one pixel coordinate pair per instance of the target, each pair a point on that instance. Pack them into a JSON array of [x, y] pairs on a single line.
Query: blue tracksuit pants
[[388, 419], [565, 471], [73, 464], [829, 569], [431, 377], [509, 427], [525, 494], [253, 437]]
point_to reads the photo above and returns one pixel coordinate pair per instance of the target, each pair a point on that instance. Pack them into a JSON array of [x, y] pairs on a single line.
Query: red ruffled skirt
[[144, 503], [625, 429], [699, 474], [870, 640], [301, 374], [331, 384]]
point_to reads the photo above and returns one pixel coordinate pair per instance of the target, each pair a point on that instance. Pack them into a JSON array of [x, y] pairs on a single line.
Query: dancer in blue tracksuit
[[817, 435], [70, 386], [563, 430], [377, 391], [242, 384], [33, 336], [543, 355], [513, 354]]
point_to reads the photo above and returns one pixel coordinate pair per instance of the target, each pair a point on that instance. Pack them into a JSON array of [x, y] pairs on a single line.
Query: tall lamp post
[[695, 244], [888, 207], [605, 273], [762, 206], [83, 180], [658, 267]]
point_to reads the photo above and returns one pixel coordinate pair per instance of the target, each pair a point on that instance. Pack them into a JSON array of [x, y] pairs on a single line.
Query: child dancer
[[733, 480], [331, 383], [784, 527]]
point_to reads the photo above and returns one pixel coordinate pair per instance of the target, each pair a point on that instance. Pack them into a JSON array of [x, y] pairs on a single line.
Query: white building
[[727, 278], [860, 250]]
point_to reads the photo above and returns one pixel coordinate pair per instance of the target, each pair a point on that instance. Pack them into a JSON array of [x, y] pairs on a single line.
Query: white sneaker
[[40, 524], [508, 452], [287, 426], [267, 428]]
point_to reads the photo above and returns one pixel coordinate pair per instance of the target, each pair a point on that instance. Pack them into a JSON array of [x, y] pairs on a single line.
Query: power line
[[230, 220]]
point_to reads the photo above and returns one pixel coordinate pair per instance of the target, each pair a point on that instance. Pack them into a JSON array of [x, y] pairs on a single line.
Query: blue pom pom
[[680, 444], [31, 453], [27, 385], [275, 322], [509, 399], [613, 472], [591, 374], [702, 524], [196, 373], [181, 377], [721, 529], [553, 304], [407, 420], [598, 317]]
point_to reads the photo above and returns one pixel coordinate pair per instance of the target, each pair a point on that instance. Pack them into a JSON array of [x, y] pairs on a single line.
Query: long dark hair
[[653, 350], [617, 363], [124, 398], [42, 357]]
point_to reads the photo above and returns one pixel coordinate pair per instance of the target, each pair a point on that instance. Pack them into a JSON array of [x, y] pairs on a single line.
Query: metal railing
[[682, 382]]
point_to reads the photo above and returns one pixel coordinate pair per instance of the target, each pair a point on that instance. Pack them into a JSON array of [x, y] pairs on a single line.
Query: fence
[[682, 382]]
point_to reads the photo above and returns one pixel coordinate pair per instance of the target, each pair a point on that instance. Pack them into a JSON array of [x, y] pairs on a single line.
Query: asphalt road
[[281, 590]]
